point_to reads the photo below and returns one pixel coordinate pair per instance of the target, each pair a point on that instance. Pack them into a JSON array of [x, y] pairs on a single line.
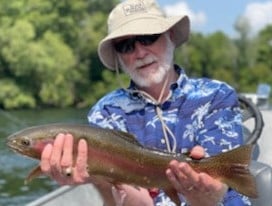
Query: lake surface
[[13, 167]]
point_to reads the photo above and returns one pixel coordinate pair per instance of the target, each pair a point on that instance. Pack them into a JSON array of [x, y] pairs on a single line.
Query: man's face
[[147, 65]]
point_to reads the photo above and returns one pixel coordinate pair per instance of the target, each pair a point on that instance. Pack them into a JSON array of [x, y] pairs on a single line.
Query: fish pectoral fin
[[172, 193], [35, 172]]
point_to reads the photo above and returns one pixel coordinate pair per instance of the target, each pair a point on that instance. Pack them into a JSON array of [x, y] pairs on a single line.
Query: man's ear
[[171, 34]]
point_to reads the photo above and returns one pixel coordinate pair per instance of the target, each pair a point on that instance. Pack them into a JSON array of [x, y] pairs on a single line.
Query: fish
[[119, 158]]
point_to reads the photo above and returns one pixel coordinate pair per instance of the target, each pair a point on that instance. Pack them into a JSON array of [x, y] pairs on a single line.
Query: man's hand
[[60, 163], [126, 195], [197, 188], [57, 160]]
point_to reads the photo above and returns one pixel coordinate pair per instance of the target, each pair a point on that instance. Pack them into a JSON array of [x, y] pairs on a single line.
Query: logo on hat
[[138, 7]]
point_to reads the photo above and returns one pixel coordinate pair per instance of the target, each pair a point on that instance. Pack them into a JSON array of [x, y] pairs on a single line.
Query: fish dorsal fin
[[127, 136]]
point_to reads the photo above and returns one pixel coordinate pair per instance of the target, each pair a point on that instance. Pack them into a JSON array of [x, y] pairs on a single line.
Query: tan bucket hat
[[139, 17]]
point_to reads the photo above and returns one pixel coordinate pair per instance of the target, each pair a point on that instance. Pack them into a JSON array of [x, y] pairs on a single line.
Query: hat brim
[[142, 26]]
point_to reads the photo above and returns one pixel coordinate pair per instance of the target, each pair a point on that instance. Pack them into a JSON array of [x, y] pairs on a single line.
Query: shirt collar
[[182, 77], [176, 88]]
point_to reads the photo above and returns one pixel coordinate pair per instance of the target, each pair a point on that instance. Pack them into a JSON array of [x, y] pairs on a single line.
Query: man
[[162, 107]]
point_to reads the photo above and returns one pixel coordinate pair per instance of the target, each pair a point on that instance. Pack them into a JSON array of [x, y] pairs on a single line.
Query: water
[[13, 167]]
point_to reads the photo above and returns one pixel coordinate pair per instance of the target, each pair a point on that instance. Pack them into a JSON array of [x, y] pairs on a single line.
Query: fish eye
[[25, 142]]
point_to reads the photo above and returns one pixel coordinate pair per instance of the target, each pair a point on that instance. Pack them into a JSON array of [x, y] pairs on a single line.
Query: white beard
[[144, 79]]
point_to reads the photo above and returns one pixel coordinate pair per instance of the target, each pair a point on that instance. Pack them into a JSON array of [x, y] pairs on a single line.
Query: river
[[13, 167]]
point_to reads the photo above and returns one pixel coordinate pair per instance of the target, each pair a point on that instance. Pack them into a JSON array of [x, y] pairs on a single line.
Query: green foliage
[[260, 73], [48, 54], [48, 48], [191, 55], [111, 81], [265, 47], [221, 52], [204, 55], [12, 96]]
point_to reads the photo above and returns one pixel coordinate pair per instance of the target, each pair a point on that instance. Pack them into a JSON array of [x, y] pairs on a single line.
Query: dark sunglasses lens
[[125, 46], [128, 45], [147, 40]]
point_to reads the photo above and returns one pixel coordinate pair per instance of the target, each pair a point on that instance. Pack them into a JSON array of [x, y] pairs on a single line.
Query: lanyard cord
[[166, 130]]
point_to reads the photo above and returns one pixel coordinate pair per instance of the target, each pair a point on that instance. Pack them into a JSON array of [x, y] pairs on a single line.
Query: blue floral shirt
[[199, 112]]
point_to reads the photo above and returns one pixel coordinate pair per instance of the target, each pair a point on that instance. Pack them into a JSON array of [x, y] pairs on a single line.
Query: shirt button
[[163, 141]]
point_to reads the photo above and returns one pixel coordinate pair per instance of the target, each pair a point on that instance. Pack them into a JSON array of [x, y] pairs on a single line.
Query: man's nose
[[140, 50]]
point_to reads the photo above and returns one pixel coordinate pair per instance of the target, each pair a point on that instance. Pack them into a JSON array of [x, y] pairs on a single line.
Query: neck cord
[[166, 130]]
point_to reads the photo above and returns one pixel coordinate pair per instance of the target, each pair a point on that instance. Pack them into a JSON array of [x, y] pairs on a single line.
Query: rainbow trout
[[119, 158]]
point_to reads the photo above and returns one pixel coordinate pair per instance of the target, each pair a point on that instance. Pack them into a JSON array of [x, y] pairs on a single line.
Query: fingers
[[50, 158], [81, 173], [182, 176], [185, 179], [119, 195], [127, 195], [45, 159], [67, 157], [57, 160], [51, 155], [181, 172], [208, 185], [196, 187], [205, 183], [197, 152], [82, 155], [57, 150], [56, 156]]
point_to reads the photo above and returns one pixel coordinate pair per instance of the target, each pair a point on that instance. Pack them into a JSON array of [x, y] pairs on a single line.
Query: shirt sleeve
[[222, 131], [221, 128], [231, 199], [104, 114]]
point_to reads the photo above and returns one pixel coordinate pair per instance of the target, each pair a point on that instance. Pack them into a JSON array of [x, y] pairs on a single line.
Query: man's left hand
[[197, 188]]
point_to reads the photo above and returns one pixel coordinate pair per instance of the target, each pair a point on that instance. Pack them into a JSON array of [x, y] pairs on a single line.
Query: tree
[[243, 28], [11, 96], [211, 56], [49, 48], [221, 55], [192, 55], [264, 47]]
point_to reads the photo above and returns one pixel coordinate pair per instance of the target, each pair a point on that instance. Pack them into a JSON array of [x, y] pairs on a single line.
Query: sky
[[209, 16]]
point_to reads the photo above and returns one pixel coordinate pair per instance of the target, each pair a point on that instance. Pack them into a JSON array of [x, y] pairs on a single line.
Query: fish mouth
[[21, 152], [15, 149], [11, 143]]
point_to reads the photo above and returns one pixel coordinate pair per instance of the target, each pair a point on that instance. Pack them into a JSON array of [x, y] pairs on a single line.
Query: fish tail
[[232, 168]]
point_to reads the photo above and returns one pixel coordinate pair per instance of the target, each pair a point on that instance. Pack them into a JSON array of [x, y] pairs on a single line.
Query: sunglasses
[[127, 46]]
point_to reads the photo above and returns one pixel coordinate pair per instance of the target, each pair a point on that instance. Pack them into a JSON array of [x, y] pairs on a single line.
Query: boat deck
[[70, 196]]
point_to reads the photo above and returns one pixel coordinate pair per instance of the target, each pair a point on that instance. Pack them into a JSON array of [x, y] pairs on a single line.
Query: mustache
[[147, 60]]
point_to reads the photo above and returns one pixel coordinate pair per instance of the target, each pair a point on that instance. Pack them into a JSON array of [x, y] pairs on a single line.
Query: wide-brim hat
[[139, 17]]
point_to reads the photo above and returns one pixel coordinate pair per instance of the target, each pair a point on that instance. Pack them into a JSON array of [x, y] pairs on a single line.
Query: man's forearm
[[105, 190], [125, 195]]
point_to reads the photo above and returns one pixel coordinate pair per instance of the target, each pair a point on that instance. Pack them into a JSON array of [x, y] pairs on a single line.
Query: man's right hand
[[58, 161]]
